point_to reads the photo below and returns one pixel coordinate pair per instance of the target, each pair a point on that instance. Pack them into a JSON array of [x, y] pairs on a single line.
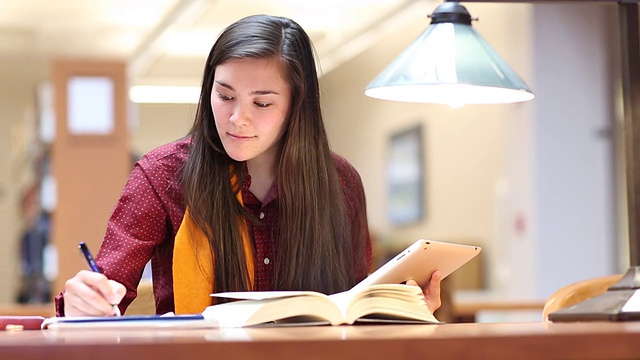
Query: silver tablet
[[420, 260]]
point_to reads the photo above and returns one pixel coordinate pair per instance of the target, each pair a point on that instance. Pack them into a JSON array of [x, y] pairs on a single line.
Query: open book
[[376, 303], [379, 297]]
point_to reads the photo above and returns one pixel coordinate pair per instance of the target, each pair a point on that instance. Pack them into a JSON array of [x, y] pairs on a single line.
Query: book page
[[313, 307], [388, 301], [264, 295]]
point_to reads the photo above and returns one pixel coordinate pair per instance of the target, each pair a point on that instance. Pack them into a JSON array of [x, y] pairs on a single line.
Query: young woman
[[252, 199]]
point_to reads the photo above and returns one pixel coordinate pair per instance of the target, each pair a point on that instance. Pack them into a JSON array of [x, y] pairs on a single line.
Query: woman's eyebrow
[[264, 92], [225, 85], [256, 92]]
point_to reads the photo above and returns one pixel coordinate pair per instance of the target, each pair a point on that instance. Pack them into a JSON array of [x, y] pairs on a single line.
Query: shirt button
[[266, 261], [261, 215]]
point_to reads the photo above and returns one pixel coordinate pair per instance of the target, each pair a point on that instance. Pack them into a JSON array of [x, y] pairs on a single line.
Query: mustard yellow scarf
[[193, 265]]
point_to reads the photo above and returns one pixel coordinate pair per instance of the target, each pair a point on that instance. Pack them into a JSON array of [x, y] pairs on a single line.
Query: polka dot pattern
[[146, 218]]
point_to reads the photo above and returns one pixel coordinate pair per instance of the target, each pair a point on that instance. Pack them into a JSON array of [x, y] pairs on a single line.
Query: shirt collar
[[249, 198]]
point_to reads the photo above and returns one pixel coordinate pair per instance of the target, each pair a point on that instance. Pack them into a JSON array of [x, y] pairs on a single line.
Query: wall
[[157, 124], [17, 90], [573, 135]]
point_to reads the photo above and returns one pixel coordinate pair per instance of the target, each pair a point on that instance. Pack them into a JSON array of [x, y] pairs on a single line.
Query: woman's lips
[[240, 137]]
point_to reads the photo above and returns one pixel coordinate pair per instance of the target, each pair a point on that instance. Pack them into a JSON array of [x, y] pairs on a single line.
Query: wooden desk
[[450, 341]]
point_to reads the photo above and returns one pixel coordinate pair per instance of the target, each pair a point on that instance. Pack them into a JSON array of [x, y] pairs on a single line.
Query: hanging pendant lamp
[[450, 63]]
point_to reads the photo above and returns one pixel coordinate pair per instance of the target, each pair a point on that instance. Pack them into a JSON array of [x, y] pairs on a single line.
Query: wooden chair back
[[577, 292]]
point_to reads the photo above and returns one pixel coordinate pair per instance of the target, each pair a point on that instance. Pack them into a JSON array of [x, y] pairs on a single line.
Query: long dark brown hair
[[315, 248]]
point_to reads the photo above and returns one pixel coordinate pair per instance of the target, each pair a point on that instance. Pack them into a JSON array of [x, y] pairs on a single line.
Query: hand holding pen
[[90, 293]]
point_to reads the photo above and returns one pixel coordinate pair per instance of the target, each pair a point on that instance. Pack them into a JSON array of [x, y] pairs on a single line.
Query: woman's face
[[250, 102]]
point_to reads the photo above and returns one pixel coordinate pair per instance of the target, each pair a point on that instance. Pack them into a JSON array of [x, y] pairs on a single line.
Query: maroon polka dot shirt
[[146, 218]]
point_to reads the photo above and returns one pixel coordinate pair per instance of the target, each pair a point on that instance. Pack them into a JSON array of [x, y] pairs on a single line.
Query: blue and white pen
[[94, 267]]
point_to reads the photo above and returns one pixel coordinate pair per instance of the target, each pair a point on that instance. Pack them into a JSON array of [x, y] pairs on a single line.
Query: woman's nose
[[239, 116]]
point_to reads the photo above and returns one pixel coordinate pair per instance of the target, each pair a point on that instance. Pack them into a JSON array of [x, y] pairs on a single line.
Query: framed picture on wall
[[405, 176]]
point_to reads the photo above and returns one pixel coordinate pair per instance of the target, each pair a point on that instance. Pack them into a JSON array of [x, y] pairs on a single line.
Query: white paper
[[633, 304]]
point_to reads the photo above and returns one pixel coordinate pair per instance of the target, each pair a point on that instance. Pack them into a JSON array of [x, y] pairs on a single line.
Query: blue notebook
[[168, 320]]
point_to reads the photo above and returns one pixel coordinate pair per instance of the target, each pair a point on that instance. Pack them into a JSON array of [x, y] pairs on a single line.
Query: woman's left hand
[[431, 291]]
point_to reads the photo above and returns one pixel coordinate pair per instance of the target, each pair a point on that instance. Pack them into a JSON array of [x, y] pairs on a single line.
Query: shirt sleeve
[[137, 225]]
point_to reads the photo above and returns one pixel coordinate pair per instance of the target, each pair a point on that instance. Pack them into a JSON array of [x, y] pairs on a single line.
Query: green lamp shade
[[450, 63]]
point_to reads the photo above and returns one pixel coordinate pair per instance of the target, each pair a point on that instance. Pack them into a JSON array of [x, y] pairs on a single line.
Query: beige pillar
[[90, 156]]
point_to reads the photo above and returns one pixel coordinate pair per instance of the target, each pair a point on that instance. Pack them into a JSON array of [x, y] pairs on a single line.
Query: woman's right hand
[[91, 294]]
